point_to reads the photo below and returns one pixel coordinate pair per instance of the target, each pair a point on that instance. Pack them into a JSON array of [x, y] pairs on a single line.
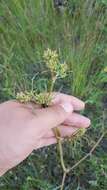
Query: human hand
[[25, 127]]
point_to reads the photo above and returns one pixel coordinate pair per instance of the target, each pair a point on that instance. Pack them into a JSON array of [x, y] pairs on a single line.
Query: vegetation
[[77, 30]]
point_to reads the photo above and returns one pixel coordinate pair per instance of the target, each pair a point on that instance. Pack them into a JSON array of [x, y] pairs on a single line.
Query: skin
[[25, 127]]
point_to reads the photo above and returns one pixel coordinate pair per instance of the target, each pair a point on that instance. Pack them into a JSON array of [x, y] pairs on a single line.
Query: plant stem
[[51, 89], [59, 141], [81, 160], [53, 83], [61, 156], [63, 180], [88, 154], [58, 137]]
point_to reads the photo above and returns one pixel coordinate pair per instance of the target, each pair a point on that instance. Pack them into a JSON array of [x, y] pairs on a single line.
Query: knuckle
[[58, 112]]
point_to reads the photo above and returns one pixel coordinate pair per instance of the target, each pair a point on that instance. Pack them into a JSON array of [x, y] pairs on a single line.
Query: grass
[[78, 32]]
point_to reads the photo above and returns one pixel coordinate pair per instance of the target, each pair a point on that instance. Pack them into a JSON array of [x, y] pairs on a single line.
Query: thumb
[[52, 116]]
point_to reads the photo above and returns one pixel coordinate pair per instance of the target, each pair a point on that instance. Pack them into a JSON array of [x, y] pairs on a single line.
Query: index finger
[[76, 103]]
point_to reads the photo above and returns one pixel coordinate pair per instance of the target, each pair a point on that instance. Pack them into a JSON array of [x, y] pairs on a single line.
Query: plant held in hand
[[44, 99]]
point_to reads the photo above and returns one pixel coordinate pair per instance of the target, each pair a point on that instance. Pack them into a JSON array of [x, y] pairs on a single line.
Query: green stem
[[61, 156], [59, 141], [88, 154], [54, 78], [58, 137], [63, 180]]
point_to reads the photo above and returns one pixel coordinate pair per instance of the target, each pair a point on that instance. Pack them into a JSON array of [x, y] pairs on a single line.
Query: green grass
[[79, 33]]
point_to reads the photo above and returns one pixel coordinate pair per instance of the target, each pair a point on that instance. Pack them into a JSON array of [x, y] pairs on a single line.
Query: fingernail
[[67, 107], [87, 122]]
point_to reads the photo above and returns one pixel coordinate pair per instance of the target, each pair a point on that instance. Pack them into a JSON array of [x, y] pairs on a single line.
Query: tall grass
[[29, 27], [78, 32], [88, 24]]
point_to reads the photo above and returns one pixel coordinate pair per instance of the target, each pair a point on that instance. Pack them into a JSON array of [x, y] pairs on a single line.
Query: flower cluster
[[62, 70], [80, 133], [52, 60], [43, 99], [24, 97], [77, 135], [105, 69]]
